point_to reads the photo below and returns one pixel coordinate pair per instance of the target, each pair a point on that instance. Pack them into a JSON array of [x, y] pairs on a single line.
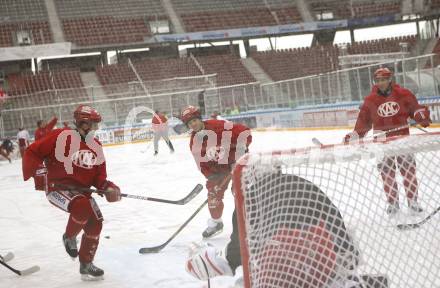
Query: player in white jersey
[[23, 139]]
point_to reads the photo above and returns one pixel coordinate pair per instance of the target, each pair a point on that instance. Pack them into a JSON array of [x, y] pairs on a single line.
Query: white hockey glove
[[215, 153], [206, 262]]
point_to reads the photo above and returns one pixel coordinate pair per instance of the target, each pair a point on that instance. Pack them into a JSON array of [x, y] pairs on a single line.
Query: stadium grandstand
[[168, 54]]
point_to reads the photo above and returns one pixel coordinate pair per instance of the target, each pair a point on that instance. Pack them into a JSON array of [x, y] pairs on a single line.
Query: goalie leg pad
[[207, 262]]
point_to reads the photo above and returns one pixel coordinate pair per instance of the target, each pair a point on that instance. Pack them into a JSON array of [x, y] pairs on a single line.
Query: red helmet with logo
[[85, 113], [383, 73], [190, 113]]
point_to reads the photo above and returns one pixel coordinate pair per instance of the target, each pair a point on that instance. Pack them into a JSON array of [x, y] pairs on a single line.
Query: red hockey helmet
[[190, 113], [85, 113], [383, 73]]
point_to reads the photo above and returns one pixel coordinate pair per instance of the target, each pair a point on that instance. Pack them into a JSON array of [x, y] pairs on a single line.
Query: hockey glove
[[422, 117], [215, 153], [111, 191], [351, 137], [206, 262]]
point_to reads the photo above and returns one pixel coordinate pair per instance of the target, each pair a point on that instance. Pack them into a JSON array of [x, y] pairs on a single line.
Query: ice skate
[[414, 206], [89, 272], [71, 247], [214, 228], [392, 209]]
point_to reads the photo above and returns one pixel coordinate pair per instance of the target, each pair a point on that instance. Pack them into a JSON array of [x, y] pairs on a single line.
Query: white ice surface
[[32, 228]]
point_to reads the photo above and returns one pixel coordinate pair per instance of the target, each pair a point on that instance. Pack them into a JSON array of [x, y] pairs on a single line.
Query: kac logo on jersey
[[84, 159], [388, 109]]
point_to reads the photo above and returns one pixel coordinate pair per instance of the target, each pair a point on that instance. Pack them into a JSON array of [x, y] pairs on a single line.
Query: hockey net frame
[[424, 147]]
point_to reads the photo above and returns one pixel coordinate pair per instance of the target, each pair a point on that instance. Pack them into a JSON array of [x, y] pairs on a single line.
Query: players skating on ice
[[388, 107], [68, 177], [160, 129], [215, 145]]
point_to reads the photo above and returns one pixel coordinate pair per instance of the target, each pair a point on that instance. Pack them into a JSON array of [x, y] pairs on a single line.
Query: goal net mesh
[[317, 217]]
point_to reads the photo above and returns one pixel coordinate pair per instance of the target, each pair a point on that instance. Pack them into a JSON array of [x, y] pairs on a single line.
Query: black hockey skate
[[70, 245], [415, 207], [89, 272], [170, 145], [392, 209], [213, 230]]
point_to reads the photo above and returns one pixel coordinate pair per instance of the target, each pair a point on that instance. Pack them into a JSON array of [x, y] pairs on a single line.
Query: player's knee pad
[[214, 202], [215, 208], [93, 227]]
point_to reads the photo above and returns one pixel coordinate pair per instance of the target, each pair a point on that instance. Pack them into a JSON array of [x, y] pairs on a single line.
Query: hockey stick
[[24, 272], [418, 224], [158, 248], [182, 201], [197, 189]]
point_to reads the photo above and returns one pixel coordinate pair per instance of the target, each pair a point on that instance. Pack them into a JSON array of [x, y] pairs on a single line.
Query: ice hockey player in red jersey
[[160, 130], [75, 162], [308, 247], [42, 130], [388, 107], [215, 145]]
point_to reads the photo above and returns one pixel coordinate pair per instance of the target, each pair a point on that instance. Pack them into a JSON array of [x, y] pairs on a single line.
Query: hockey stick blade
[[417, 225], [24, 272], [30, 270], [156, 249], [408, 226], [182, 201], [8, 257]]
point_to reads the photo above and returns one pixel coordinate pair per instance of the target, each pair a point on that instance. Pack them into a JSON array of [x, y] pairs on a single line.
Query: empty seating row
[[105, 30], [294, 63], [68, 9], [388, 45], [375, 8], [38, 32], [339, 8], [228, 68], [191, 6], [29, 83], [148, 70], [19, 10], [251, 17]]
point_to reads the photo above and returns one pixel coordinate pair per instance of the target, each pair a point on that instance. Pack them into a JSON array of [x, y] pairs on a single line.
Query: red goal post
[[350, 175]]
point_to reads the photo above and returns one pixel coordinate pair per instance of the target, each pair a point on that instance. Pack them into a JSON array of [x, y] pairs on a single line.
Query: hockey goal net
[[317, 217]]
